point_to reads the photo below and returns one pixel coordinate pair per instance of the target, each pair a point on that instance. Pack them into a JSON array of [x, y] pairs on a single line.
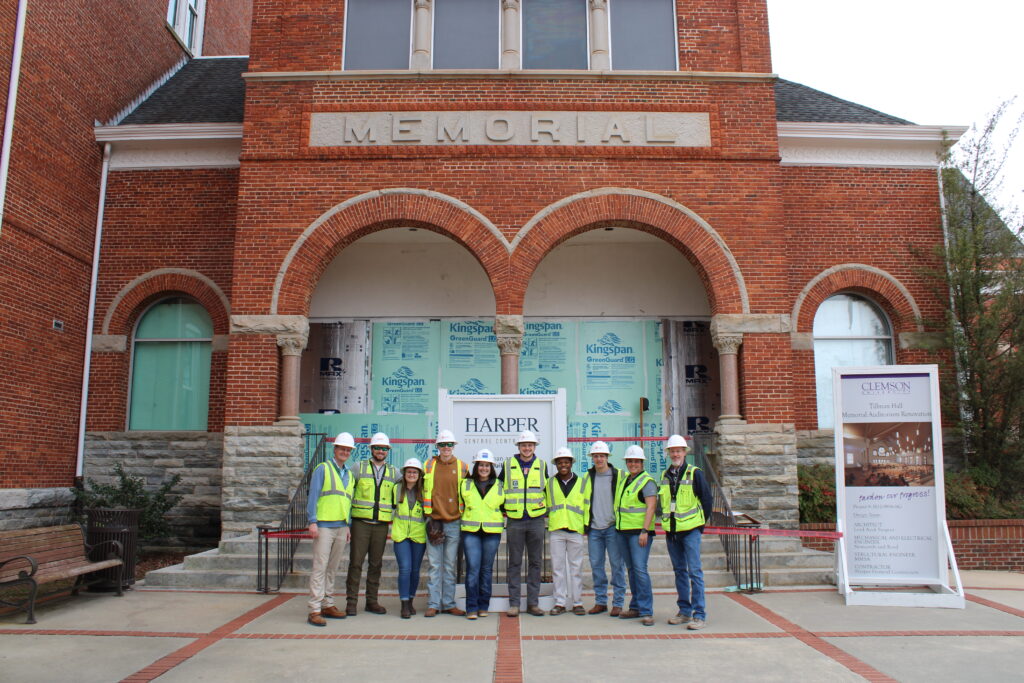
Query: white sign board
[[494, 421], [889, 485]]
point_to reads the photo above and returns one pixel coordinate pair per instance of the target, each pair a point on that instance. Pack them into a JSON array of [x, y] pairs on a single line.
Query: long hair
[[417, 490], [494, 475]]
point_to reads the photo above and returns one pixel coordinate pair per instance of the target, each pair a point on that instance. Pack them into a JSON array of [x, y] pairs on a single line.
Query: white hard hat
[[600, 447], [380, 439], [484, 455], [345, 439], [564, 452], [526, 437], [676, 441], [634, 452], [445, 436], [413, 462]]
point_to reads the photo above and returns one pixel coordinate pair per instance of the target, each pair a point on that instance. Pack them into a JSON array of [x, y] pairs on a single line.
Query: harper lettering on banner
[[571, 128]]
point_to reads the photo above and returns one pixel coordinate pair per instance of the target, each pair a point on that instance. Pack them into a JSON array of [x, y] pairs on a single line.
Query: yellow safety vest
[[568, 512], [369, 495], [409, 523], [524, 493], [428, 482], [630, 505], [481, 512], [685, 512], [335, 499]]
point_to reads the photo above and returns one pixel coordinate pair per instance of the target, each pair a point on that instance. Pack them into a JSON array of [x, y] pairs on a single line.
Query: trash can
[[104, 524]]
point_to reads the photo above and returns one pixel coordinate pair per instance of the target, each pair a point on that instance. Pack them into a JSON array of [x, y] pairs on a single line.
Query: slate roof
[[211, 90]]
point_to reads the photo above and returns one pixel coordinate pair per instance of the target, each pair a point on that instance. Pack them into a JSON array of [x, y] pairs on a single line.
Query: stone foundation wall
[[156, 457], [816, 446], [757, 464], [29, 508], [262, 467]]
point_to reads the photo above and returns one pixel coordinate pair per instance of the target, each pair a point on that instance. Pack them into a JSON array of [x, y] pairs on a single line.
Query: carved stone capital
[[270, 324], [599, 4], [510, 4], [292, 344], [727, 343], [510, 344], [423, 4]]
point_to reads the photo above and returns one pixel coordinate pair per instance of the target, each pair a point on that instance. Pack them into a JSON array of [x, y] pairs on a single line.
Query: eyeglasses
[[446, 444], [379, 448]]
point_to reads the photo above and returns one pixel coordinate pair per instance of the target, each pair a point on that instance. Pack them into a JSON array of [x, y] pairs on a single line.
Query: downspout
[[92, 310], [12, 101]]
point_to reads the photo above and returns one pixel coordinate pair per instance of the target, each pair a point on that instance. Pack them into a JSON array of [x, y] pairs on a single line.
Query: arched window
[[170, 387], [848, 330]]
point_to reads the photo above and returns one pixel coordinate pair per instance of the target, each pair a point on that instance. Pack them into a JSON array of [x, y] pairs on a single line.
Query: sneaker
[[647, 621], [579, 611], [556, 610], [597, 609], [696, 624], [314, 619], [679, 619], [482, 613], [536, 611], [513, 611], [471, 615]]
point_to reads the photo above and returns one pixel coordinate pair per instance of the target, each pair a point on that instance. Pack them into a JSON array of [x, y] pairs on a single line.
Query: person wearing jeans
[[409, 533], [602, 538], [442, 478], [482, 523], [636, 499]]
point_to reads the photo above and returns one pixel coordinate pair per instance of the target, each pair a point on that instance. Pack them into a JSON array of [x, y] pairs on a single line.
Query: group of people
[[434, 507]]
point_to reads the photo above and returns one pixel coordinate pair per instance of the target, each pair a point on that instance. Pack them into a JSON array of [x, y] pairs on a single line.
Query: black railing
[[742, 551], [290, 531]]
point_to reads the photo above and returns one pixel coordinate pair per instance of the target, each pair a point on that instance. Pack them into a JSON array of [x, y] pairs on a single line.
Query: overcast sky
[[933, 62]]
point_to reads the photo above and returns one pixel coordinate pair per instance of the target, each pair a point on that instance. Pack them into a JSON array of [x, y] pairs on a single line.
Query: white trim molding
[[530, 74], [864, 144], [138, 147], [169, 131]]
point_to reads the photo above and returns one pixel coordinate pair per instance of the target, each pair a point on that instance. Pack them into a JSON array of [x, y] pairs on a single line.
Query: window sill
[[497, 74], [177, 38]]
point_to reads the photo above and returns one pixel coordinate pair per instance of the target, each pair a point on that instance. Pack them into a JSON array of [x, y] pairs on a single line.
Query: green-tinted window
[[171, 368]]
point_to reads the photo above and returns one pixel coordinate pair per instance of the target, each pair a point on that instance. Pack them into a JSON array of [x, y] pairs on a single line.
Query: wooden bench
[[32, 557]]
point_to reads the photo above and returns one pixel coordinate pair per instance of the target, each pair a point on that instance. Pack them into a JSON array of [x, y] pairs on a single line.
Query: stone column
[[422, 36], [511, 58], [509, 330], [291, 346], [728, 346], [600, 57]]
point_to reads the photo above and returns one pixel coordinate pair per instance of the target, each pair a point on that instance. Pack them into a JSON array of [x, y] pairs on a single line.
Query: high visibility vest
[[369, 494], [568, 511], [684, 512], [524, 492], [481, 512], [335, 499], [428, 482], [409, 523], [630, 505]]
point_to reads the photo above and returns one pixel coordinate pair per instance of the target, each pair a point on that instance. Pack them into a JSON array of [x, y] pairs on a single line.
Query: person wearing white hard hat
[[602, 539], [328, 511], [409, 533], [372, 510], [524, 477], [636, 499], [482, 523], [442, 478], [568, 502], [686, 502]]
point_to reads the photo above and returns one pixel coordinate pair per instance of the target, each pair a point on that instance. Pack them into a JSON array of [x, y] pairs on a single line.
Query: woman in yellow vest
[[482, 522], [636, 498], [409, 533]]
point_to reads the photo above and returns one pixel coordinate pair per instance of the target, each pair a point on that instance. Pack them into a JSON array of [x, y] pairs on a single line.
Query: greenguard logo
[[403, 378]]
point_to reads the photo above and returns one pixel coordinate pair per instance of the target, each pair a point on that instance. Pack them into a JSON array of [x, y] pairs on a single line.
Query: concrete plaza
[[781, 635]]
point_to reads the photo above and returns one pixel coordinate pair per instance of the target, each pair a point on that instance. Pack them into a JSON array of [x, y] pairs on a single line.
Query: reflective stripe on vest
[[369, 495], [630, 507], [684, 512], [462, 471], [408, 523], [567, 511], [524, 492], [334, 502], [482, 513]]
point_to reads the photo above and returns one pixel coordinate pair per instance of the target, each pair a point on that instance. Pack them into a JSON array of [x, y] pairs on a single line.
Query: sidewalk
[[772, 636]]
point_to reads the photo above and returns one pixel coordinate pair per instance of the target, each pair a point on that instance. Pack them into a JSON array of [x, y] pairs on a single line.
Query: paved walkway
[[782, 635]]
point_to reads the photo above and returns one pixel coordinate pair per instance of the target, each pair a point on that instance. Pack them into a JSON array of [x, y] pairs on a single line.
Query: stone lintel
[[270, 324], [743, 323], [109, 343], [927, 341], [801, 341]]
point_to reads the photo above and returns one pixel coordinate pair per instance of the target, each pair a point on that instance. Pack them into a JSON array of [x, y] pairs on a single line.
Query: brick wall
[[228, 23]]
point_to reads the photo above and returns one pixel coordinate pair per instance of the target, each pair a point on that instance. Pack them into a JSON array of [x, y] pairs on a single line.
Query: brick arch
[[874, 283], [138, 294], [359, 216], [660, 216]]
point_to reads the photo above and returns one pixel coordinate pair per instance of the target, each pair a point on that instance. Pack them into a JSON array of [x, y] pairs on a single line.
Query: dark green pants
[[367, 539]]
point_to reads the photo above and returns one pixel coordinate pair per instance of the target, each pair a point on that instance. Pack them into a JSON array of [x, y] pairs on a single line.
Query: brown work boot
[[647, 621], [597, 609], [375, 607], [513, 611], [350, 609], [630, 614], [455, 612], [536, 611], [406, 609], [431, 612], [314, 619], [616, 611], [332, 612]]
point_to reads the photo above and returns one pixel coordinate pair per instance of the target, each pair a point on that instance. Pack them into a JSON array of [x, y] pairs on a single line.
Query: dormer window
[[185, 19]]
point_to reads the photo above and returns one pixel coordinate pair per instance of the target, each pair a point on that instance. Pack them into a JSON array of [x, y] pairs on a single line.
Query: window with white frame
[[185, 18], [849, 330]]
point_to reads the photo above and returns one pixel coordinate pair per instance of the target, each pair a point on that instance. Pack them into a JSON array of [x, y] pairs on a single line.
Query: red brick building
[[623, 170]]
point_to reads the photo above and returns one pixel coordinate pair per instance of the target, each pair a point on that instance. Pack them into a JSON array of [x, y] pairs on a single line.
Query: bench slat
[[76, 570], [37, 531]]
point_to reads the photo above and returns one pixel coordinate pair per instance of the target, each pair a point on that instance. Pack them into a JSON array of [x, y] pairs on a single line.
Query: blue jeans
[[641, 595], [442, 558], [598, 542], [409, 556], [480, 550], [684, 549]]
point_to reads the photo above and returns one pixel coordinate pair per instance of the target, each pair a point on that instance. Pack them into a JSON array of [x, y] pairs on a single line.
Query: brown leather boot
[[332, 612], [406, 609], [375, 608], [314, 619]]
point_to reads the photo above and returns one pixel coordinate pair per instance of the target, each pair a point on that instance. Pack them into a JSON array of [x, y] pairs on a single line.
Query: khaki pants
[[328, 549], [567, 567]]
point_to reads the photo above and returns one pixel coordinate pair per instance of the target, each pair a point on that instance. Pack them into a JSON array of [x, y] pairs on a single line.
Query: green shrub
[[129, 493], [817, 486]]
